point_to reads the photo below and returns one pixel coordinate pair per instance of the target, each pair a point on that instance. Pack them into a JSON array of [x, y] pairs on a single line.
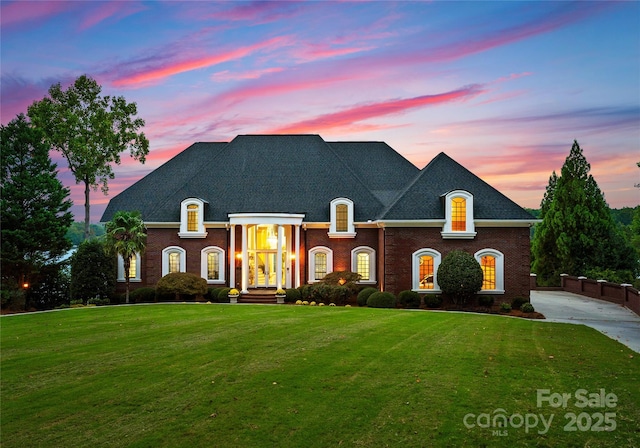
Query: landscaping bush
[[460, 276], [346, 279], [143, 295], [212, 294], [433, 300], [505, 307], [182, 284], [223, 295], [409, 299], [381, 300], [527, 308], [305, 291], [518, 302], [97, 301], [486, 301], [293, 294], [364, 295]]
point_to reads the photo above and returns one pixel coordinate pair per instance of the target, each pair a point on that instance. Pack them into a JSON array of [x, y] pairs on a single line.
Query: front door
[[265, 269]]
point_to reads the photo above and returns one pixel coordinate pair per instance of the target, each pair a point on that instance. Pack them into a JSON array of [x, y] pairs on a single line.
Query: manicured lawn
[[202, 375]]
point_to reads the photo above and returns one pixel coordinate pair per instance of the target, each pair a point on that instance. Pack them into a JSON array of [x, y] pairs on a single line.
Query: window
[[320, 263], [173, 260], [192, 218], [458, 209], [212, 263], [134, 268], [341, 219], [425, 270], [363, 262], [492, 264]]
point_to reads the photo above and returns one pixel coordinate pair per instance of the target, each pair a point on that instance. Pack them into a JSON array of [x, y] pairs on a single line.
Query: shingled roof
[[303, 174]]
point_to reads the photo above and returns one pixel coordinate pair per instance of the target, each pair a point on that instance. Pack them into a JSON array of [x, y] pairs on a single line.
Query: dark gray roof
[[303, 174], [423, 197]]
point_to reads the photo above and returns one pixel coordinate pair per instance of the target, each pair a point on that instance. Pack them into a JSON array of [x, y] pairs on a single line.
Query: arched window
[[363, 262], [134, 268], [341, 219], [212, 264], [425, 270], [458, 205], [320, 263], [492, 264], [192, 218], [173, 260]]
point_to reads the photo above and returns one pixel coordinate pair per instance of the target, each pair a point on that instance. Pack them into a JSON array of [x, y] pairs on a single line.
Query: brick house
[[271, 211]]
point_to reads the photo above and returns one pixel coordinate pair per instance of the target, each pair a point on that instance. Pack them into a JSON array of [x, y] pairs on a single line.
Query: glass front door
[[265, 268], [263, 254]]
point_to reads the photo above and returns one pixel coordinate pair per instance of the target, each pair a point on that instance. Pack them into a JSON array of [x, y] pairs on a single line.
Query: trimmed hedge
[[181, 284], [409, 299], [292, 295], [381, 300], [486, 301], [460, 276], [518, 302], [433, 300], [363, 295], [142, 295], [223, 295]]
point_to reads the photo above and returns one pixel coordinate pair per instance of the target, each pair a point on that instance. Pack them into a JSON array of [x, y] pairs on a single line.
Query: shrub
[[97, 301], [212, 294], [142, 295], [223, 295], [293, 294], [505, 307], [486, 301], [460, 276], [305, 291], [409, 299], [182, 284], [364, 295], [433, 300], [93, 272], [381, 300], [527, 308], [341, 277], [518, 302]]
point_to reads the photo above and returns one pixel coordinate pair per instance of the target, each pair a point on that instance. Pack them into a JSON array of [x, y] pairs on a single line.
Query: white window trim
[[499, 256], [351, 229], [184, 233], [221, 264], [372, 263], [447, 232], [121, 278], [312, 261], [165, 258], [437, 258]]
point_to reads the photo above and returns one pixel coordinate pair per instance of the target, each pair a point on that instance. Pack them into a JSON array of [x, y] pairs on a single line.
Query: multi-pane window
[[174, 262], [488, 265], [213, 266], [458, 214], [426, 272], [320, 265], [132, 266], [363, 265], [342, 218], [192, 217]]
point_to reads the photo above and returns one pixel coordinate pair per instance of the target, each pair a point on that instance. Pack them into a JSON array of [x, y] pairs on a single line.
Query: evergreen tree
[[93, 272], [34, 207], [577, 234]]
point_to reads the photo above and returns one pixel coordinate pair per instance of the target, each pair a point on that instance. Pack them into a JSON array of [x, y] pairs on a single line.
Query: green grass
[[253, 376]]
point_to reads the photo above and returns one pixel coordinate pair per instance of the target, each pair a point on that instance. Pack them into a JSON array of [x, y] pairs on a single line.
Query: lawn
[[214, 375]]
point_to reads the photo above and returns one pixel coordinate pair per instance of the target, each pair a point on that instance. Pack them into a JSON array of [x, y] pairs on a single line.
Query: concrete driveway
[[612, 320]]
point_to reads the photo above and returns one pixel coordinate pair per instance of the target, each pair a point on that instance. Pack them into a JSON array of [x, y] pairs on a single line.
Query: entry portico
[[270, 242]]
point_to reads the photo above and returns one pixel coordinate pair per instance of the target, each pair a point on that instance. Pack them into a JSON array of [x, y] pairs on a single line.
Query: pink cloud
[[155, 74], [12, 13], [107, 10], [226, 75], [359, 113]]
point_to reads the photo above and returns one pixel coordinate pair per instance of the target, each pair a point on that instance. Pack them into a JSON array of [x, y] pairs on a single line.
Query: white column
[[279, 258], [232, 256], [297, 281], [245, 261]]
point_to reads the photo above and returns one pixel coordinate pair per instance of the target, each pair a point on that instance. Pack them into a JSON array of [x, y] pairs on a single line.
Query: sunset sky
[[502, 87]]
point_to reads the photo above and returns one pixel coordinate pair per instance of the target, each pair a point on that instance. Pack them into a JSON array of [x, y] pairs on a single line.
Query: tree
[[90, 131], [125, 237], [182, 283], [577, 233], [93, 272], [34, 207], [460, 276]]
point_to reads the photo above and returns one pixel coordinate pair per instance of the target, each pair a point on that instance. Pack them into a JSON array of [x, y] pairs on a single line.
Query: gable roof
[[422, 198], [303, 174]]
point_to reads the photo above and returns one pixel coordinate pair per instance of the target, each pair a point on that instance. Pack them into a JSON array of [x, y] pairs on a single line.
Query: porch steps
[[258, 296]]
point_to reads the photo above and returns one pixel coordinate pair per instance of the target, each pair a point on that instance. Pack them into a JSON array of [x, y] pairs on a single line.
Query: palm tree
[[126, 236]]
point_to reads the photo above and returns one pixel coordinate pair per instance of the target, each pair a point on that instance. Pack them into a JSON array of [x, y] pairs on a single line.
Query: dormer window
[[192, 219], [458, 205], [341, 220]]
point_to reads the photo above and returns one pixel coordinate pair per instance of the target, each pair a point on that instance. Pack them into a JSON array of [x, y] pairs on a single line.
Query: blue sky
[[502, 87]]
